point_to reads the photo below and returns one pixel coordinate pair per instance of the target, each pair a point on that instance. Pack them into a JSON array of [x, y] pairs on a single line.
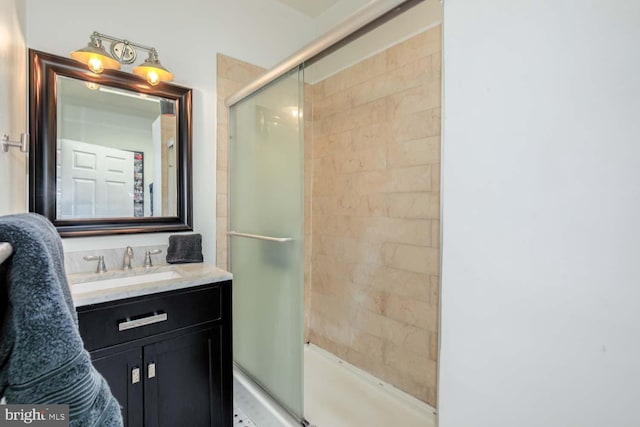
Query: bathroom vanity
[[164, 346]]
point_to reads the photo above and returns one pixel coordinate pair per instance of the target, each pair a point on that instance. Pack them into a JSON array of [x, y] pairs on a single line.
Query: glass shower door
[[266, 238]]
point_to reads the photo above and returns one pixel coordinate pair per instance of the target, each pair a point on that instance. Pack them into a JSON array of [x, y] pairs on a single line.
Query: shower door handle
[[260, 237]]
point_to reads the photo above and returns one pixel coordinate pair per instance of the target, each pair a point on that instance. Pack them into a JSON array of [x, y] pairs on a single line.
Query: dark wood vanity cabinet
[[167, 357]]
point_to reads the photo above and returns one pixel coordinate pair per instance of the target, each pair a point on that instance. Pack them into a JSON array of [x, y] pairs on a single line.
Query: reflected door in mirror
[[94, 181]]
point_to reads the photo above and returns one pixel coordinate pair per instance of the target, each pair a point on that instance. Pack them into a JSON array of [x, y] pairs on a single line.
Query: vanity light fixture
[[123, 51]]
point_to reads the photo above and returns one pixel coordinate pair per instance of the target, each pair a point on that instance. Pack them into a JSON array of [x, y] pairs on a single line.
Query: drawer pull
[[149, 320]]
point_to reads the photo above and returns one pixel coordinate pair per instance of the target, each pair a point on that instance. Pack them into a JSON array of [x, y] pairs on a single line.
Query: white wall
[[13, 104], [541, 214], [187, 35]]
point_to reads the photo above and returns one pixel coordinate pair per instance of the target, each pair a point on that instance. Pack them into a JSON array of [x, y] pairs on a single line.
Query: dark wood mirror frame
[[43, 70]]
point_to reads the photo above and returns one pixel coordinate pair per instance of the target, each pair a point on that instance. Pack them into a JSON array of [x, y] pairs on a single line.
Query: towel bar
[[260, 237]]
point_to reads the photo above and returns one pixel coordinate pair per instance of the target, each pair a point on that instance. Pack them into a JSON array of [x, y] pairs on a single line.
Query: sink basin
[[118, 282]]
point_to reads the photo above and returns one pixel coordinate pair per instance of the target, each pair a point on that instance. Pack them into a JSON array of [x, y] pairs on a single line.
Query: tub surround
[[374, 133], [191, 275], [372, 209]]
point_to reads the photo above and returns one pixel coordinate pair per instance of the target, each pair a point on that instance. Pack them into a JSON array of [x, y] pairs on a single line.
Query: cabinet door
[[183, 384], [124, 374]]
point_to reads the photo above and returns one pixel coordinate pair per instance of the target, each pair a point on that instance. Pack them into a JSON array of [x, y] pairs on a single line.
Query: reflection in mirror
[[116, 152]]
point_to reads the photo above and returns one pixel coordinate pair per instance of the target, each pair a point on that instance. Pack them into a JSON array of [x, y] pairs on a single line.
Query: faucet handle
[[147, 257], [102, 268]]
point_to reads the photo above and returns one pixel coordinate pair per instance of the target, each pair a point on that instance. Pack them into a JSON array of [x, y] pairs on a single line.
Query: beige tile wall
[[375, 212], [232, 75]]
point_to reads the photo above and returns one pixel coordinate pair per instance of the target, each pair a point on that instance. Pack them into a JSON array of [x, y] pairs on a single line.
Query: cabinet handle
[[135, 375], [149, 320], [151, 370]]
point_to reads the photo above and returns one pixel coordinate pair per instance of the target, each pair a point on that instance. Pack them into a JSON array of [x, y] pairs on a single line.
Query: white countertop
[[191, 275]]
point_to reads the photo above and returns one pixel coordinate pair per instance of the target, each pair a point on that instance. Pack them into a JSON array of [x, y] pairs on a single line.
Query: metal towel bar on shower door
[[260, 237]]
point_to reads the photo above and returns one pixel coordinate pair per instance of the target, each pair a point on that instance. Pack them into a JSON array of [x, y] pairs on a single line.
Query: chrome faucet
[[128, 256]]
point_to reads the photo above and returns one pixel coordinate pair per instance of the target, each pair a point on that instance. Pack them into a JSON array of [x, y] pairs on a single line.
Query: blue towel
[[42, 357]]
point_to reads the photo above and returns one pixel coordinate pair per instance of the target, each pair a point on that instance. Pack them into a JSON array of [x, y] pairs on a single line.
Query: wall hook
[[23, 144]]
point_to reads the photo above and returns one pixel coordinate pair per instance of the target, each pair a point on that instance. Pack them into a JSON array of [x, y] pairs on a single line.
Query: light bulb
[[95, 65], [153, 77]]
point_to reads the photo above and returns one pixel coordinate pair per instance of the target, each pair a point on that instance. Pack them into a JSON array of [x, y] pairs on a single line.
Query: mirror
[[110, 154]]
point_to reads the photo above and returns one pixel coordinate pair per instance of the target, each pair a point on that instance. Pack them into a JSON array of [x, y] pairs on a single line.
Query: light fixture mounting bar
[[118, 40]]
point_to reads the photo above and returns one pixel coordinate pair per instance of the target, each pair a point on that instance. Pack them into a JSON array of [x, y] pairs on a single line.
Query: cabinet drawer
[[117, 322]]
